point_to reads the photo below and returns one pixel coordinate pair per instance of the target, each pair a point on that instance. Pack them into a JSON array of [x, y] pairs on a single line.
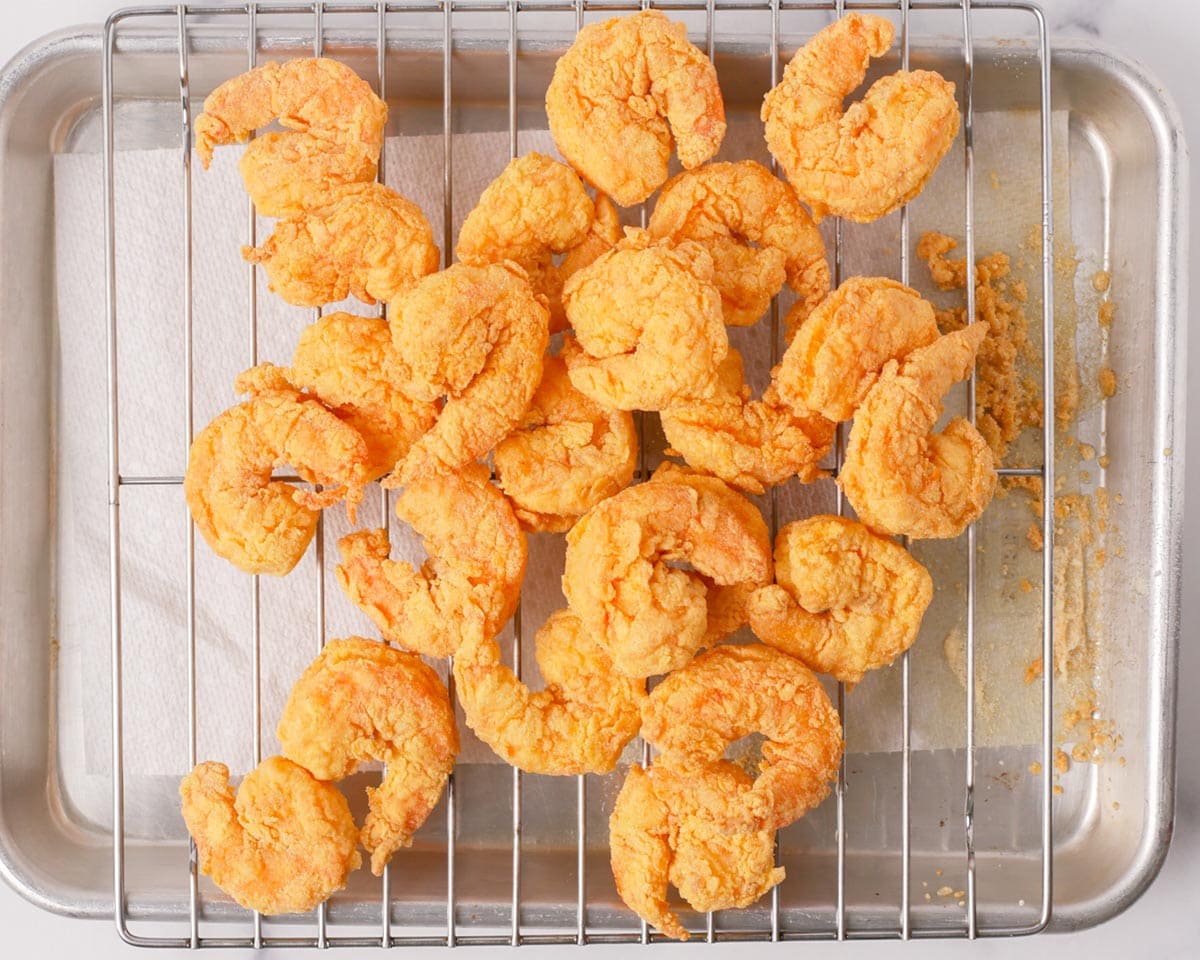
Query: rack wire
[[456, 13]]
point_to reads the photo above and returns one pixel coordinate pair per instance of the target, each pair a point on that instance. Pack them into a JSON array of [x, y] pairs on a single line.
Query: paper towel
[[151, 349]]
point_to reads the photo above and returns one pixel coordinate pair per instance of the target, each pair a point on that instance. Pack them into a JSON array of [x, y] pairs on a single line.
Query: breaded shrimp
[[368, 242], [902, 478], [567, 454], [346, 362], [844, 601], [750, 444], [258, 524], [619, 577], [283, 844], [335, 126], [472, 578], [604, 234], [625, 87], [661, 831], [475, 335], [536, 208], [730, 692], [753, 226], [836, 356], [867, 161], [361, 700], [579, 723], [648, 328]]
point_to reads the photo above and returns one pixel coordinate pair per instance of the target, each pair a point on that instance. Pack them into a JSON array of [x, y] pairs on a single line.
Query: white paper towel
[[150, 292]]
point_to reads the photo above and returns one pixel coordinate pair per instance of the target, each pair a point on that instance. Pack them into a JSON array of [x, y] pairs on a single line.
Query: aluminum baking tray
[[512, 859]]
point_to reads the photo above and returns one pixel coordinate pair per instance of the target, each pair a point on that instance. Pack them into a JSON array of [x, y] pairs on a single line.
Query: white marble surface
[[1165, 923]]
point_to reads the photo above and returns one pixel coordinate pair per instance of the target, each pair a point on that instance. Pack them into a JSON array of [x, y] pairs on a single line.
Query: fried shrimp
[[624, 89], [361, 700], [347, 363], [845, 600], [864, 162], [730, 692], [648, 328], [258, 524], [619, 577], [567, 454], [902, 478], [753, 226], [282, 844], [836, 356], [579, 723], [750, 444], [475, 335], [473, 575], [335, 131], [366, 241], [661, 832], [536, 208]]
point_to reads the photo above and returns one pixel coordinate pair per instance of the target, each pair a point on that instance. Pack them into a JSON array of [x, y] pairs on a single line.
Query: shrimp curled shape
[[750, 444], [730, 692], [625, 87], [347, 362], [475, 335], [902, 478], [648, 328], [366, 241], [662, 831], [258, 524], [867, 161], [567, 454], [836, 356], [282, 844], [536, 208], [472, 579], [579, 723], [618, 576], [755, 229], [844, 601], [335, 131], [361, 700]]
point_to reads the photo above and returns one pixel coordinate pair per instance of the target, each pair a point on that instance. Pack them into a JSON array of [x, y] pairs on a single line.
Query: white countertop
[[1165, 923]]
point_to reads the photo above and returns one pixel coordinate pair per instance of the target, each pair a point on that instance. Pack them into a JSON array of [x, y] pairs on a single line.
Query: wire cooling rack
[[391, 23]]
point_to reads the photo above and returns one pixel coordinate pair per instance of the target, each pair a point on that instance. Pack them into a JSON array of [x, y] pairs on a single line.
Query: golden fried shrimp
[[335, 131], [750, 444], [258, 524], [579, 723], [648, 328], [730, 692], [900, 477], [619, 579], [844, 601], [623, 90], [661, 832], [567, 454], [361, 700], [349, 364], [283, 844], [864, 162], [836, 356], [475, 335], [367, 241], [753, 226], [472, 578], [536, 208]]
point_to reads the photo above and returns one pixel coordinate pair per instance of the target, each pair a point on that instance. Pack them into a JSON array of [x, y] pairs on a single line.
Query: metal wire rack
[[389, 23]]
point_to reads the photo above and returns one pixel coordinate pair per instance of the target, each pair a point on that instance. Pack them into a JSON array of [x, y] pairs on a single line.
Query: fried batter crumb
[[1107, 380], [1034, 536], [1035, 768], [1105, 315], [1033, 670], [1101, 280]]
